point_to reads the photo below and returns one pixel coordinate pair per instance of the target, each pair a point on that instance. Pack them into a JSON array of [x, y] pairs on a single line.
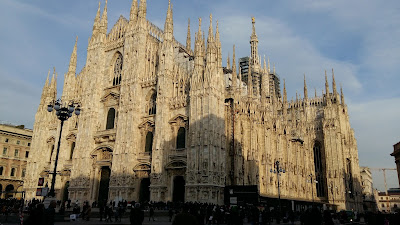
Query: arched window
[[51, 152], [319, 173], [72, 150], [149, 142], [181, 138], [110, 119], [1, 170], [12, 172], [350, 178], [152, 104], [117, 70]]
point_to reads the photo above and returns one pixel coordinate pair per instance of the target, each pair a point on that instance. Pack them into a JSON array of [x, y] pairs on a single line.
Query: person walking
[[151, 213], [50, 213], [137, 215], [185, 218]]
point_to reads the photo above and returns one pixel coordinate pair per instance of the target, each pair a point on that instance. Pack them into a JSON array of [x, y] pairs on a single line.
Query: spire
[[72, 61], [265, 65], [44, 91], [47, 80], [269, 67], [134, 11], [341, 95], [142, 14], [240, 77], [284, 92], [274, 69], [210, 32], [250, 82], [254, 43], [96, 24], [284, 105], [169, 24], [104, 20], [188, 40], [334, 83], [234, 76], [326, 85], [228, 63], [218, 45], [198, 42], [53, 85], [305, 88], [315, 92]]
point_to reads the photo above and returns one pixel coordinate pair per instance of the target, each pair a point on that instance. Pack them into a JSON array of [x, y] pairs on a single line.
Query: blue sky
[[359, 39]]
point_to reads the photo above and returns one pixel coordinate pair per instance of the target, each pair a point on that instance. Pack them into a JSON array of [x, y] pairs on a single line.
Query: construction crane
[[384, 175]]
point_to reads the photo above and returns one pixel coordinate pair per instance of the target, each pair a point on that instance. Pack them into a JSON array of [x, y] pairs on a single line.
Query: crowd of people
[[184, 213]]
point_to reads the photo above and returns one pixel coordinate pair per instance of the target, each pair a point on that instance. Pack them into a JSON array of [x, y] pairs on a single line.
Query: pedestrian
[[185, 218], [151, 213], [101, 210], [88, 211], [36, 215], [170, 214], [137, 215], [50, 213]]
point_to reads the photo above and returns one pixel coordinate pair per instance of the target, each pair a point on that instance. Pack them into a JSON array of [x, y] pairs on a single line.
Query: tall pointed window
[[152, 104], [181, 138], [117, 70], [349, 177], [72, 150], [149, 142], [319, 170], [110, 119], [51, 152]]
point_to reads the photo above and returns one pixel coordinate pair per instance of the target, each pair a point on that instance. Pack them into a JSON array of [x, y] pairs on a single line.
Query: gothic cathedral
[[164, 122]]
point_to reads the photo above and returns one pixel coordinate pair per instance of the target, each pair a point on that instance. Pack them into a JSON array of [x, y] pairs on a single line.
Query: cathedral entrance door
[[179, 189], [104, 183], [144, 192]]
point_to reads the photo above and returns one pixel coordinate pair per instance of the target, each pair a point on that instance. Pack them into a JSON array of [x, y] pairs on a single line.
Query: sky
[[358, 39]]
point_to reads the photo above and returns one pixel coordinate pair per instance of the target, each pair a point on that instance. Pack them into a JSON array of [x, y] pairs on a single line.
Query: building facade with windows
[[368, 191], [161, 121], [15, 142], [389, 202]]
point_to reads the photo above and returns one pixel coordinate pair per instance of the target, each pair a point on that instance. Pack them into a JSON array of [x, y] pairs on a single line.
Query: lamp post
[[311, 180], [333, 193], [21, 184], [63, 113], [278, 170]]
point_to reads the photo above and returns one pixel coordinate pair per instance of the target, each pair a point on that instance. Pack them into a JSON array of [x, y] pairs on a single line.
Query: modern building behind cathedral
[[162, 121]]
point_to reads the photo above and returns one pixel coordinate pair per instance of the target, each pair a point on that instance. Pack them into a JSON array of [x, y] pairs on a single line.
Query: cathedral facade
[[161, 121]]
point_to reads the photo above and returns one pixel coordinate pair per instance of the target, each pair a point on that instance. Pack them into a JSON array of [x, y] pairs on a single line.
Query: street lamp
[[278, 170], [63, 113], [311, 180], [333, 193], [21, 184]]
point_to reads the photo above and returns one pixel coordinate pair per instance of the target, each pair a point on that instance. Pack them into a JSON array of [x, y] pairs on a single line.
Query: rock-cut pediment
[[111, 98], [147, 123], [179, 117], [176, 165]]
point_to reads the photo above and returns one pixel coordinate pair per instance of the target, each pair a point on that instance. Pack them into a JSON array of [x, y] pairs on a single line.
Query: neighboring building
[[163, 122], [389, 202], [369, 201], [396, 155], [15, 142]]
